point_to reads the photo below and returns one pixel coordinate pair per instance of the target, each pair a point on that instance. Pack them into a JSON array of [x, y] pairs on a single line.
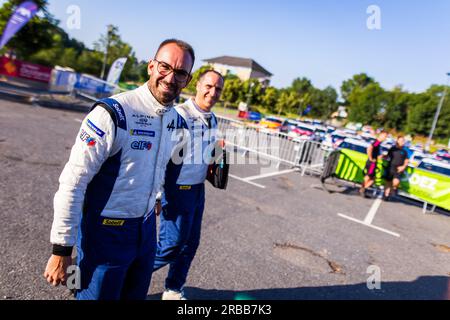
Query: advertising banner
[[20, 17], [428, 186], [116, 71], [25, 70]]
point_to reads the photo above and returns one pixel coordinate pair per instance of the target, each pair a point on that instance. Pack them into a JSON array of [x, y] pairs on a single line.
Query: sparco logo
[[119, 112]]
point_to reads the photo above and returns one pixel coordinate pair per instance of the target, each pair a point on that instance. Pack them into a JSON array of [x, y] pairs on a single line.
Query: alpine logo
[[141, 145]]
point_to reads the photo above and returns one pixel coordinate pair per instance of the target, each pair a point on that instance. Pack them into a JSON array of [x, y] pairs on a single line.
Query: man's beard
[[165, 98]]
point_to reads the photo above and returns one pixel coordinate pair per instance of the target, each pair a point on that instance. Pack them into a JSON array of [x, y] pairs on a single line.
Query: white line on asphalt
[[78, 120], [369, 225], [249, 182], [272, 174], [372, 212]]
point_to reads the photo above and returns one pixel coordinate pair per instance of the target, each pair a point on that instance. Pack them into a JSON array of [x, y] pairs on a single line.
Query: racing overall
[[184, 191], [106, 198]]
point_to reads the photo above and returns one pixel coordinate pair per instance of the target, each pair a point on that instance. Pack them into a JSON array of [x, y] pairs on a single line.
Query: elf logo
[[141, 145]]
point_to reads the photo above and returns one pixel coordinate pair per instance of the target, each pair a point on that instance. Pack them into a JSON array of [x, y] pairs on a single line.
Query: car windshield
[[434, 168], [337, 137], [304, 128], [274, 120], [354, 147]]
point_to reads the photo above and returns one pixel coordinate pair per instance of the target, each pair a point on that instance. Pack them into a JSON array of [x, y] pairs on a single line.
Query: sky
[[327, 41]]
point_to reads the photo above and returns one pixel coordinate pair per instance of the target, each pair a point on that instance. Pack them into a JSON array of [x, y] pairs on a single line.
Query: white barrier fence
[[308, 156]]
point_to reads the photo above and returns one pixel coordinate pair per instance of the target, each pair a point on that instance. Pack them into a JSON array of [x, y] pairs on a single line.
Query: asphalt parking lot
[[279, 236]]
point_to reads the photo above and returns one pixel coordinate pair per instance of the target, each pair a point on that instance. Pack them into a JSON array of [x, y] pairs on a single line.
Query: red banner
[[25, 70]]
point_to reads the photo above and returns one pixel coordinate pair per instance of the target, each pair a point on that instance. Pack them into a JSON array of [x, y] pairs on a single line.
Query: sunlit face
[[166, 88], [209, 89], [383, 136], [401, 142]]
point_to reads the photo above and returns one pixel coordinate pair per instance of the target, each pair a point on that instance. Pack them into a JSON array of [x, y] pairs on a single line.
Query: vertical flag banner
[[20, 17], [116, 71]]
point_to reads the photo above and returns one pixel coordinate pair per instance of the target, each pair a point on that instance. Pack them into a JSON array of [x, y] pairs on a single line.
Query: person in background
[[184, 188], [398, 161], [374, 154]]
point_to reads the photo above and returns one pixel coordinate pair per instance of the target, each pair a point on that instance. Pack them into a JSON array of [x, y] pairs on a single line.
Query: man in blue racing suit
[[105, 204], [184, 187]]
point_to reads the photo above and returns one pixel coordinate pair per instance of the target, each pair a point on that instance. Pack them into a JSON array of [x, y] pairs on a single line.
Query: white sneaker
[[173, 295]]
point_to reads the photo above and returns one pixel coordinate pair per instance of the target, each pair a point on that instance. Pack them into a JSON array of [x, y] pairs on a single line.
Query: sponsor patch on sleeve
[[86, 138], [95, 129]]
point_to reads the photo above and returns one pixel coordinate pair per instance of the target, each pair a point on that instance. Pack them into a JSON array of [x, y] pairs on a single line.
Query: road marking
[[249, 182], [272, 174], [78, 120], [372, 212], [370, 217], [369, 225]]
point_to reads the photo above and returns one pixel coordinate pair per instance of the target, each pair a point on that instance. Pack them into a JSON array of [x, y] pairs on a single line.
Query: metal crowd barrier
[[308, 156]]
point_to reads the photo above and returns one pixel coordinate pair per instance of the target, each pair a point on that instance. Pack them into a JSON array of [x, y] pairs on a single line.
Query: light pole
[[249, 96], [436, 116], [105, 57]]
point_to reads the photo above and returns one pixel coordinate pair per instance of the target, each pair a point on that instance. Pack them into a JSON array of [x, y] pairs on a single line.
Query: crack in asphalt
[[335, 268], [441, 247]]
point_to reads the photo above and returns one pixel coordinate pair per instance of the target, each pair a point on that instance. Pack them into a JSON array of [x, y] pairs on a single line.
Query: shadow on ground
[[424, 288]]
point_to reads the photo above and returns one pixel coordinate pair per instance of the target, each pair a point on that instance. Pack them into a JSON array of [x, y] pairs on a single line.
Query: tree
[[302, 86], [366, 104], [232, 89], [270, 98], [422, 110], [288, 102], [36, 35], [398, 102], [361, 81], [117, 48], [323, 102]]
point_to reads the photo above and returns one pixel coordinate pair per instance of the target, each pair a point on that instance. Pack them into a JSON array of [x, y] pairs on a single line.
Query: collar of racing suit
[[204, 115], [148, 97]]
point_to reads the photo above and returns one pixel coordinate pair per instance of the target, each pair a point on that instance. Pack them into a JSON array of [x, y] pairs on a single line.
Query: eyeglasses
[[165, 69]]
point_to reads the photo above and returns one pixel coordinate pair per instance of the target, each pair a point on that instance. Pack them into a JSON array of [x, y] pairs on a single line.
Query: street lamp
[[249, 96], [436, 116]]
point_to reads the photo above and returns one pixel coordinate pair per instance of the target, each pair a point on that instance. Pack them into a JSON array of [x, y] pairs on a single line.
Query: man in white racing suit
[[184, 187], [105, 204]]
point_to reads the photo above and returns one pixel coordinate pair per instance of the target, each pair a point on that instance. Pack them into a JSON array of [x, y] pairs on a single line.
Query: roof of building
[[239, 62]]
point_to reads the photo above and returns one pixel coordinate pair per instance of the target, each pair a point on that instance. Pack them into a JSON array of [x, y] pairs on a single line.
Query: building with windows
[[243, 68]]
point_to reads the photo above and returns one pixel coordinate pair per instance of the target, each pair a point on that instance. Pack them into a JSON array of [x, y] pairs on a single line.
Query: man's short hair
[[181, 44], [400, 137], [383, 132], [204, 73]]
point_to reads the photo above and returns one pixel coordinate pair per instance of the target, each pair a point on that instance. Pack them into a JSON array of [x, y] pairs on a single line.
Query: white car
[[435, 166], [355, 145]]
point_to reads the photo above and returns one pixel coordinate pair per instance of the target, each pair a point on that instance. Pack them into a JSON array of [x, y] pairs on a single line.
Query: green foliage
[[366, 104], [232, 89], [43, 41], [361, 81], [191, 88], [422, 110]]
